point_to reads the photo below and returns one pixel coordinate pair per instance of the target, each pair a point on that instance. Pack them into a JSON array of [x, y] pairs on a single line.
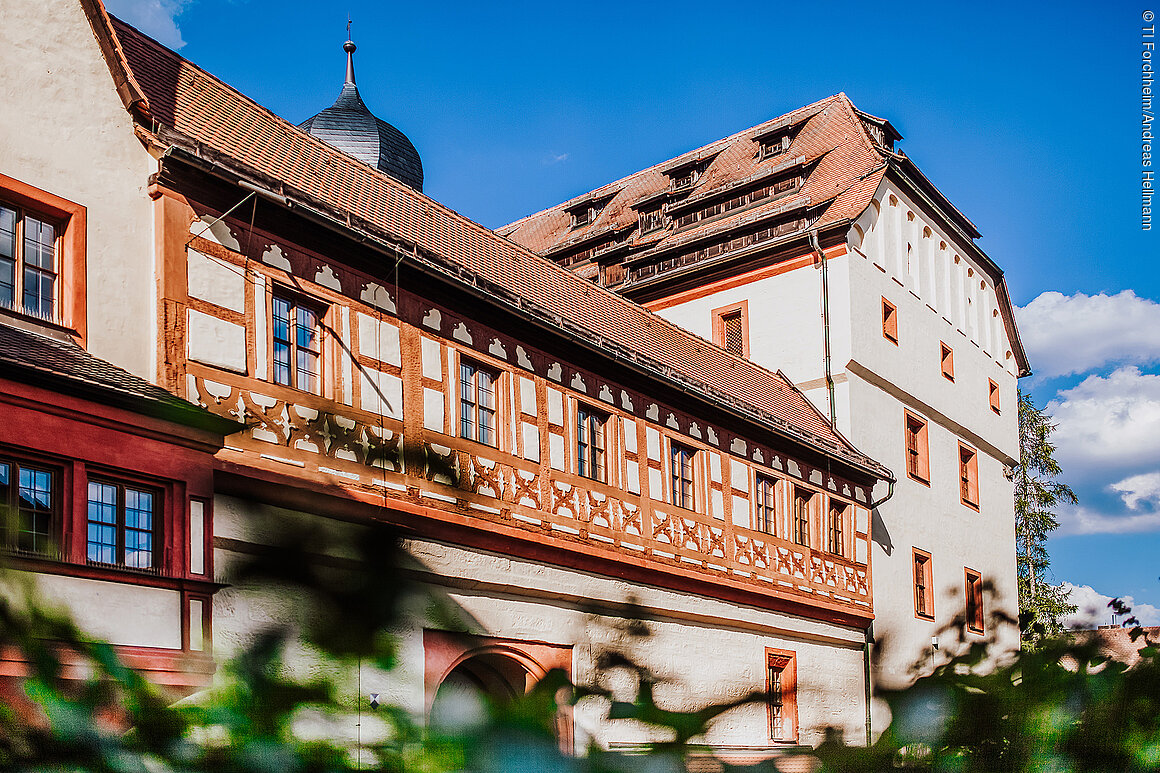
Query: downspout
[[869, 632], [826, 326]]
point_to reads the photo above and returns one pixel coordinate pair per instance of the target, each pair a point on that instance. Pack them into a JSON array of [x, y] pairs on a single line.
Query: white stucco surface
[[118, 613], [83, 149]]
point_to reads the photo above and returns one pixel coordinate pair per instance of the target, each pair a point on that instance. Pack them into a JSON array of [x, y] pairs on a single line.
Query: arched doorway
[[477, 681]]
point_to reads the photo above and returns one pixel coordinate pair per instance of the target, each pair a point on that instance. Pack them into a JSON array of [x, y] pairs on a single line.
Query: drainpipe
[[869, 632], [826, 324]]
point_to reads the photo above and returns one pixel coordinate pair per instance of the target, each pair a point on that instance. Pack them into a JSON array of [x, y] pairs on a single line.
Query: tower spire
[[349, 48]]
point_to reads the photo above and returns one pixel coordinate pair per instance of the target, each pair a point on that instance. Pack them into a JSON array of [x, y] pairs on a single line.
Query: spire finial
[[349, 48]]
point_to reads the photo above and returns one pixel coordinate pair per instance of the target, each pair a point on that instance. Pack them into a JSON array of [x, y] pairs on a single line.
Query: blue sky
[[1028, 117]]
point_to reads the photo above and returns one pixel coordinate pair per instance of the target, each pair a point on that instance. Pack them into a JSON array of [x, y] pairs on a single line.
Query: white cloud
[[156, 18], [555, 158], [1139, 490], [1085, 520], [1065, 334], [1106, 422], [1093, 608]]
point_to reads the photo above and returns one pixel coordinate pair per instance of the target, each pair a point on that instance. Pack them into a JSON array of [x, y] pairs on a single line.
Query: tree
[[1037, 494]]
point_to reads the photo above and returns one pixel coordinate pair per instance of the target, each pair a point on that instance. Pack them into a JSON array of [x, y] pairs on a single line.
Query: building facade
[[548, 446], [812, 245]]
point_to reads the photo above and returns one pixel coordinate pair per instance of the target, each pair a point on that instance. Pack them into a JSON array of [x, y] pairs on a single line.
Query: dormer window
[[651, 221], [685, 179], [585, 214], [775, 145]]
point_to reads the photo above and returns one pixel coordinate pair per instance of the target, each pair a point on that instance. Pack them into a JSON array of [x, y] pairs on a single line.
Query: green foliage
[[1059, 708], [1037, 495]]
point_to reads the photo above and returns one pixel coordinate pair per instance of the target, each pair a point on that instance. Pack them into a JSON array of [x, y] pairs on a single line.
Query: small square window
[[477, 403], [731, 328], [923, 586], [682, 476], [974, 598], [947, 357], [889, 321], [993, 395], [969, 476]]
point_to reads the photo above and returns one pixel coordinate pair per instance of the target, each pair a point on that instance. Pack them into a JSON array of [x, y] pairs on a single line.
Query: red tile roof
[[190, 107], [844, 170]]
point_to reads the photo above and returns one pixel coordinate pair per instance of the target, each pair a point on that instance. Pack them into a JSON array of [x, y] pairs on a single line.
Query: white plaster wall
[[785, 319], [64, 130], [713, 660], [931, 518], [118, 613]]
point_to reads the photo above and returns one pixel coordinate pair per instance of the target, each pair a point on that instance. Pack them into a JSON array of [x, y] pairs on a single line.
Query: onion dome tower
[[349, 126]]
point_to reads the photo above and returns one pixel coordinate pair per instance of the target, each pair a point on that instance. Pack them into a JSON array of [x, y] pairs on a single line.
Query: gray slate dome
[[349, 126]]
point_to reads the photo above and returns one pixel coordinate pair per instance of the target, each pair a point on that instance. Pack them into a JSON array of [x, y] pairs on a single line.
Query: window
[[781, 692], [837, 528], [477, 418], [29, 500], [121, 527], [947, 358], [651, 220], [766, 511], [801, 515], [889, 321], [968, 476], [923, 587], [775, 145], [685, 179], [917, 460], [731, 328], [681, 473], [586, 214], [42, 255], [297, 345], [28, 262], [993, 395], [974, 610], [591, 443]]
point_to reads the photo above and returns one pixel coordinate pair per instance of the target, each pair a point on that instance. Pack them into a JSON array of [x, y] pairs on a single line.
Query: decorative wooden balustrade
[[365, 450]]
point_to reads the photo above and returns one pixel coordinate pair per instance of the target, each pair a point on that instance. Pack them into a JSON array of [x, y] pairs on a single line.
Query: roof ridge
[[623, 181]]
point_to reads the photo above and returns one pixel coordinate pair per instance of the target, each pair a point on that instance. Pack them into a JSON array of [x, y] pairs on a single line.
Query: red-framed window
[[889, 321], [836, 529], [42, 256], [123, 524], [781, 694], [802, 509], [478, 404], [682, 476], [993, 395], [917, 448], [923, 585], [974, 601], [765, 506], [731, 328], [969, 476], [947, 361], [591, 443], [297, 342], [30, 508]]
